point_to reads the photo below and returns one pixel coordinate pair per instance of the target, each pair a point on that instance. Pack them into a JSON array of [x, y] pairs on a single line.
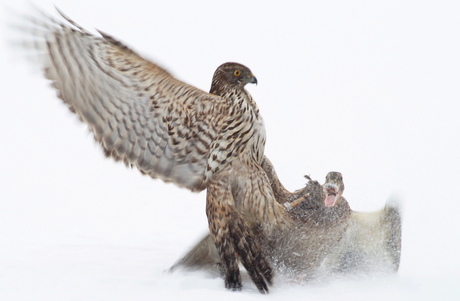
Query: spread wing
[[136, 110]]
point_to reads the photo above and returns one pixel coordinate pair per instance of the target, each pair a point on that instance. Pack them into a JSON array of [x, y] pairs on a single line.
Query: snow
[[366, 88]]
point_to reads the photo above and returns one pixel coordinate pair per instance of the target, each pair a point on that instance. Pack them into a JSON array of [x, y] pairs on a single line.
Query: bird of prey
[[143, 116]]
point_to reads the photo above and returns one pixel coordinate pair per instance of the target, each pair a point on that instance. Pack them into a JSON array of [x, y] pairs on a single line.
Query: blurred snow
[[369, 89]]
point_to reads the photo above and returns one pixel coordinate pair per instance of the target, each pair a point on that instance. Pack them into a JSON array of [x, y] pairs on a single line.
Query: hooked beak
[[253, 80]]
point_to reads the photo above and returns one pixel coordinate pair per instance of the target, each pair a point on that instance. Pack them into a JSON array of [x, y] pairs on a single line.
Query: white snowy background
[[368, 88]]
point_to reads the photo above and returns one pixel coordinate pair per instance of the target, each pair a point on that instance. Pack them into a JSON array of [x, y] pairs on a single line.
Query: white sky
[[367, 88]]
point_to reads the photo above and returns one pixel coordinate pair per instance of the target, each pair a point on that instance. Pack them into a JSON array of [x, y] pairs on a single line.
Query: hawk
[[143, 116]]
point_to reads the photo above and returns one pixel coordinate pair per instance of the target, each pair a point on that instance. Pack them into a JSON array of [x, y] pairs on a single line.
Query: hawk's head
[[231, 74]]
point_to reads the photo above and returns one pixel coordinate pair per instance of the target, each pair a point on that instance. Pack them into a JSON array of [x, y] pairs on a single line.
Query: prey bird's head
[[333, 188], [231, 75]]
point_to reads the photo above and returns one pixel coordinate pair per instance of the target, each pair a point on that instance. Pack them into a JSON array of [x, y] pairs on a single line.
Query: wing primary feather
[[80, 28]]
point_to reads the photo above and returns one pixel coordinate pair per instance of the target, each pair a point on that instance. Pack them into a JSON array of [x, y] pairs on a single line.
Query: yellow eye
[[237, 73]]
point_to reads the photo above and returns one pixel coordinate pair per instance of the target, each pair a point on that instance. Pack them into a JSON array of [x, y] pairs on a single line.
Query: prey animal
[[328, 238]]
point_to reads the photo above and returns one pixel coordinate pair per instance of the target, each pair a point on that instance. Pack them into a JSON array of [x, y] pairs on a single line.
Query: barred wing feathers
[[136, 110]]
